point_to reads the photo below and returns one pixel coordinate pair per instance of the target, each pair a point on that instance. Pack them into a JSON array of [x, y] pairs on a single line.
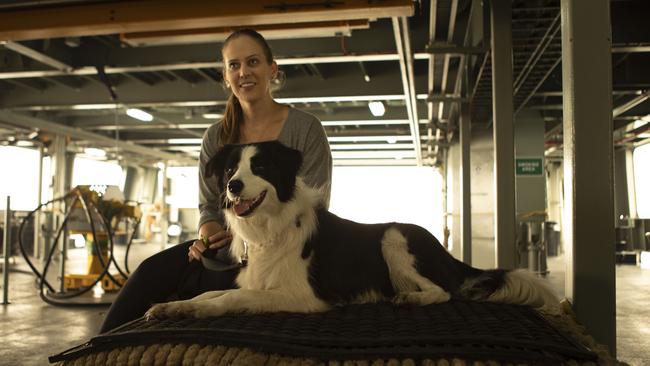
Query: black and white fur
[[302, 258]]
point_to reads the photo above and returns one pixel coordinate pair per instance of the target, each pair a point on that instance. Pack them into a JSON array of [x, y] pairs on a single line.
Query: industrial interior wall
[[482, 196]]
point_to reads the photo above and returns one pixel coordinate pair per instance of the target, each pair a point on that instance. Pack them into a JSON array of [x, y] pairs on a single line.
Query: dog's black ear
[[216, 165], [288, 159]]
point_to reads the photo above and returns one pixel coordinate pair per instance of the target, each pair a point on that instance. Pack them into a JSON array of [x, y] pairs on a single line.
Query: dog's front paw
[[165, 311], [155, 312]]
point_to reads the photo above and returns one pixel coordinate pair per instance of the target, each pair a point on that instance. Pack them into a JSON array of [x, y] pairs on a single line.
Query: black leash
[[218, 259]]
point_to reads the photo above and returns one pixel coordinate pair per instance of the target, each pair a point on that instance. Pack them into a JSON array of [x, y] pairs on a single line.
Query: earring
[[227, 85]]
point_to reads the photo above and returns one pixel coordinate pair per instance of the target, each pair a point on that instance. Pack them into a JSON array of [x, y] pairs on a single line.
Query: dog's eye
[[258, 163], [229, 171]]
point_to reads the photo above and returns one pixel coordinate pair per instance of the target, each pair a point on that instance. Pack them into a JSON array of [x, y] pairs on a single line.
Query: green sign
[[529, 166]]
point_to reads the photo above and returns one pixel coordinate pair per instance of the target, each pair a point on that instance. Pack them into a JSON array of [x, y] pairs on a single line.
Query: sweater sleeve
[[316, 168], [209, 192]]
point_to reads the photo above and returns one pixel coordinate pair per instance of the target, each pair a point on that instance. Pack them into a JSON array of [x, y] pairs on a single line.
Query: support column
[[504, 141], [58, 172], [465, 190], [6, 252], [588, 166], [37, 214], [164, 207]]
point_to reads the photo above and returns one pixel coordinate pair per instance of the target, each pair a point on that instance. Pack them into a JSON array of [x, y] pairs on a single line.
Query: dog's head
[[254, 177]]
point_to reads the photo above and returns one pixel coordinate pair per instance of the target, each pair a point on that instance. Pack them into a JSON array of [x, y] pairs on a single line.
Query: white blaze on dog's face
[[255, 178], [246, 191]]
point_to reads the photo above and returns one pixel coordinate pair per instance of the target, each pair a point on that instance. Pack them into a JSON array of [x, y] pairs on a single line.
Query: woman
[[251, 116]]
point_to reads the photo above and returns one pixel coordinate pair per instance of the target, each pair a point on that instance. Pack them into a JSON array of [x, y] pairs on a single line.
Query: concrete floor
[[31, 330]]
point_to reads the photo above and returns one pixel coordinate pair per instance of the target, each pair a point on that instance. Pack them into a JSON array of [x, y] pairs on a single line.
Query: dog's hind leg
[[426, 297], [409, 285]]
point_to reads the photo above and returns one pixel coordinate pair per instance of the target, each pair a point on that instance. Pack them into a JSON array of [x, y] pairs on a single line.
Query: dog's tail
[[512, 287]]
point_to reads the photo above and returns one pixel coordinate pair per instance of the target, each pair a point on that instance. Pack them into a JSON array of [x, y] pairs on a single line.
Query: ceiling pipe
[[462, 73], [441, 129], [411, 79], [413, 119], [431, 82]]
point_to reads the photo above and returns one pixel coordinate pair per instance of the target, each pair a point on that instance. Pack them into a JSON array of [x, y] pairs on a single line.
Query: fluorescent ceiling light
[[371, 147], [377, 108], [382, 138], [182, 141], [373, 154], [212, 115], [139, 114], [370, 122], [93, 151]]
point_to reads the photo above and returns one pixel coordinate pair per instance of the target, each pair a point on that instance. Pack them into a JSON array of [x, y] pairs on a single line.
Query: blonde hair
[[233, 116]]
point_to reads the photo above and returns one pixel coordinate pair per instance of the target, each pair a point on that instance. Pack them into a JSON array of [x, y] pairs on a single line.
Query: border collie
[[302, 258]]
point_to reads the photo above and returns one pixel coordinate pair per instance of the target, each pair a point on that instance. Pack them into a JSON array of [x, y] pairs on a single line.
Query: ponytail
[[233, 117]]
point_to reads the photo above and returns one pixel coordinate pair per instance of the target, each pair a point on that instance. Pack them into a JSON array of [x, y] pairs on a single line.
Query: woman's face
[[246, 70]]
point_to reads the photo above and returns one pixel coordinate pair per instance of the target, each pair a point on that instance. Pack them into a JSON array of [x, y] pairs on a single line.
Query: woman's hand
[[217, 239]]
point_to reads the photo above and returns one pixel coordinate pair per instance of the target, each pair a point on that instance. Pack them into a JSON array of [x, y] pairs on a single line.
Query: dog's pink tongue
[[242, 206]]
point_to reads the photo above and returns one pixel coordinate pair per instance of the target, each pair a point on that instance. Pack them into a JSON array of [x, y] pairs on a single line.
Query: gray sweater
[[301, 131]]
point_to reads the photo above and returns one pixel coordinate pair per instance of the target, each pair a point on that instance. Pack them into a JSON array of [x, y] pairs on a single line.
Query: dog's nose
[[235, 186]]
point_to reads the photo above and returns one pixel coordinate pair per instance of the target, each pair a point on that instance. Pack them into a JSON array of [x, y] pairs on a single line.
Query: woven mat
[[456, 329]]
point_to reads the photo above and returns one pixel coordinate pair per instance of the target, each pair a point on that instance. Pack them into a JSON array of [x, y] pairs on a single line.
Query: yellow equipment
[[112, 211]]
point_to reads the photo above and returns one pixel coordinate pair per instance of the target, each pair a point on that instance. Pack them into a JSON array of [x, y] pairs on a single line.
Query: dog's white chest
[[274, 266]]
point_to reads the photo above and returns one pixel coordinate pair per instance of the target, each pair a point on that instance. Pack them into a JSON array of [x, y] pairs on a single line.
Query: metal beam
[[158, 15], [211, 103], [538, 85], [504, 140], [219, 34], [81, 71], [544, 43], [588, 226], [33, 122], [630, 49], [631, 104], [38, 56], [454, 50], [447, 59]]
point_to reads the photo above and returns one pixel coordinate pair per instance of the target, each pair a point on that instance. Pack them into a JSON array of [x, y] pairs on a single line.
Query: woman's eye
[[232, 66]]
